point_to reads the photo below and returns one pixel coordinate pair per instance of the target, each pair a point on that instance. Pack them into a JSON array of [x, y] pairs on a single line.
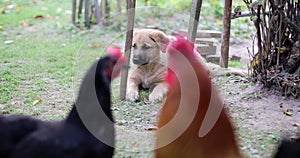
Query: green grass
[[45, 60], [257, 144], [236, 64]]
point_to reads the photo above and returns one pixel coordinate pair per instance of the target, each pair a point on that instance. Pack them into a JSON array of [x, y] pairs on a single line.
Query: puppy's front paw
[[156, 97], [132, 95]]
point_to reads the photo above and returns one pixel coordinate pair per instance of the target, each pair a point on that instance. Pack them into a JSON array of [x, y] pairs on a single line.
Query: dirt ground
[[258, 112]]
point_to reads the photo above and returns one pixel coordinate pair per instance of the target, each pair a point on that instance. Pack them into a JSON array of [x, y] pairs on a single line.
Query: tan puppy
[[149, 65]]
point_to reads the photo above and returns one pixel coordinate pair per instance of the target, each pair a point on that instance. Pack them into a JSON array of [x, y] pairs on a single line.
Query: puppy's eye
[[145, 47], [134, 46]]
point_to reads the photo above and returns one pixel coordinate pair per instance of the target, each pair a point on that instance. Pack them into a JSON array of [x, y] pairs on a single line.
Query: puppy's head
[[147, 45]]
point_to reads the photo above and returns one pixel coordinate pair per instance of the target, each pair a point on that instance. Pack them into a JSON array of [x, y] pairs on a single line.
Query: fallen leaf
[[13, 102], [288, 112], [296, 124], [134, 144], [96, 45], [36, 102], [44, 8], [58, 10], [10, 6], [39, 17], [151, 128], [294, 137], [19, 8], [2, 11], [121, 122], [68, 12], [8, 42], [23, 23]]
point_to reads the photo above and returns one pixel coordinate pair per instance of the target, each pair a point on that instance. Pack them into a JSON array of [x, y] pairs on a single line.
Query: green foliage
[[216, 7], [180, 5]]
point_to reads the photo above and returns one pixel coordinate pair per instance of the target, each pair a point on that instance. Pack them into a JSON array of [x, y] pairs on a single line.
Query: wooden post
[[226, 34], [194, 19], [74, 11], [87, 13], [128, 45], [97, 12]]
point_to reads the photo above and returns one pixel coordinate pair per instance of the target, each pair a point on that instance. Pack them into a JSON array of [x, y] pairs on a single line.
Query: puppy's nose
[[136, 57]]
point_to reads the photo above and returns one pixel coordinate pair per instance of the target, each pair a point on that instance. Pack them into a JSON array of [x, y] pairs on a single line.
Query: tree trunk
[[97, 12], [86, 13], [74, 11], [80, 8]]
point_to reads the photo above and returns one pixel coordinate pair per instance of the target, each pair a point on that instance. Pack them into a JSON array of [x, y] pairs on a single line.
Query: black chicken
[[87, 132], [13, 129], [288, 149]]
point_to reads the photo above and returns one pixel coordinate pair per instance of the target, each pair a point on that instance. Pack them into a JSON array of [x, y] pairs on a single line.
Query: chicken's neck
[[93, 107]]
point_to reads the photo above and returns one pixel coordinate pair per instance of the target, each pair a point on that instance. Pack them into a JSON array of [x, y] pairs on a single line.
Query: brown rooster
[[192, 122]]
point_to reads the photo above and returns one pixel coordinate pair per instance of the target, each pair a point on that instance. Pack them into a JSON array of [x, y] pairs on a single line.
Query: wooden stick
[[226, 34], [194, 19], [244, 14], [128, 45]]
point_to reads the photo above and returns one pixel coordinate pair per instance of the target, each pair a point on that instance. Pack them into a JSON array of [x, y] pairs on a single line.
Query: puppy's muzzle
[[140, 60]]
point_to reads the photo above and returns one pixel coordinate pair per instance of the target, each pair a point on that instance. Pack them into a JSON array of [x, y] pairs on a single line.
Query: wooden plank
[[226, 34], [194, 19], [204, 33], [128, 45], [208, 41]]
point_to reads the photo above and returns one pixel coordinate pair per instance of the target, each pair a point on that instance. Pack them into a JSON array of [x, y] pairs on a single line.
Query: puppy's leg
[[158, 93], [132, 90]]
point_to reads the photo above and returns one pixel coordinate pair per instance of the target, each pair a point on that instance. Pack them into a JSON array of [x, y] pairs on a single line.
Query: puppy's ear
[[160, 38]]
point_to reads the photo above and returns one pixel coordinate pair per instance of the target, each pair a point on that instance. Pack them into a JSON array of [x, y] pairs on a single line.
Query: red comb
[[182, 45], [114, 51]]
